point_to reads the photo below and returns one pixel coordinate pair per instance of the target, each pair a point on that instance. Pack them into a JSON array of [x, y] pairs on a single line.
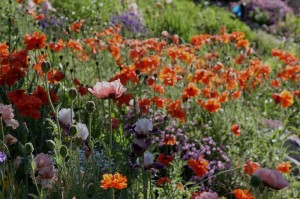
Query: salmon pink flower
[[7, 115], [104, 90]]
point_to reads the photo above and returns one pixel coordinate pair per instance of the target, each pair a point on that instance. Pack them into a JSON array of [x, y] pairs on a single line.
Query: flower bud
[[255, 181], [90, 106], [73, 93], [73, 130], [50, 144], [46, 66], [230, 196], [29, 147], [63, 151]]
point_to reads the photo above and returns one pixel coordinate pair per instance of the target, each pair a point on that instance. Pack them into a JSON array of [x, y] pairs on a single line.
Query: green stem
[[53, 109], [144, 177], [110, 136]]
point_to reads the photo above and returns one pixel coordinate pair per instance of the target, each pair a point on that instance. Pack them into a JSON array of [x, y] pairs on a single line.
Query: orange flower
[[170, 140], [35, 41], [297, 93], [116, 181], [56, 47], [250, 167], [38, 1], [158, 88], [211, 105], [275, 83], [286, 99], [75, 27], [235, 128], [75, 45], [168, 76], [236, 94], [161, 181], [175, 110], [148, 64], [242, 194], [199, 166], [190, 91], [284, 167]]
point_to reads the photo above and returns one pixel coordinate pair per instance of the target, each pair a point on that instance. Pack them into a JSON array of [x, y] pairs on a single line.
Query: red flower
[[161, 181], [29, 107], [35, 41], [164, 159]]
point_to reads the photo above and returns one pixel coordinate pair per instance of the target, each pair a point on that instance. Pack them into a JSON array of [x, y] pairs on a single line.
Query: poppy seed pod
[[50, 144], [90, 106], [29, 147], [63, 151], [46, 66], [73, 130], [255, 181], [73, 93]]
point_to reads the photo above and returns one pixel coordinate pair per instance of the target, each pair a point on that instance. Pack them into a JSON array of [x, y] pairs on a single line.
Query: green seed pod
[[230, 196], [29, 147], [50, 144], [90, 106], [255, 181], [63, 151], [73, 93], [46, 66], [73, 130]]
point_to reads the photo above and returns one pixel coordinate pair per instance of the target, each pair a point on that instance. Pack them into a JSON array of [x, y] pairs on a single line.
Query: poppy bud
[[72, 93], [50, 144], [90, 106], [46, 66], [73, 130], [230, 196], [255, 181], [63, 151], [29, 147]]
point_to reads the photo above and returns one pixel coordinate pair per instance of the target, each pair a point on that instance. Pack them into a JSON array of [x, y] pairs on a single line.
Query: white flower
[[83, 131], [64, 116], [143, 126], [148, 159]]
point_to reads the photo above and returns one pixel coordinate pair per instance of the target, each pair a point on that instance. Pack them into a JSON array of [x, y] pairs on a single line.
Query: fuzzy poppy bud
[[73, 130], [63, 151], [255, 181], [29, 147], [50, 144], [73, 93], [90, 106], [46, 66]]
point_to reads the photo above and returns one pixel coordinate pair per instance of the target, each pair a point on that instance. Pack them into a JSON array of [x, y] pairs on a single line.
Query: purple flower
[[130, 21], [2, 157]]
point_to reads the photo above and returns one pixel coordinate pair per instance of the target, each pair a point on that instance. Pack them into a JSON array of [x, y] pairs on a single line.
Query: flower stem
[[110, 136], [53, 109]]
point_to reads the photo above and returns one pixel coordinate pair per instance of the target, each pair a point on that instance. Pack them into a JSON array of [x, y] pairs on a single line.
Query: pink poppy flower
[[7, 115], [105, 90], [271, 178]]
